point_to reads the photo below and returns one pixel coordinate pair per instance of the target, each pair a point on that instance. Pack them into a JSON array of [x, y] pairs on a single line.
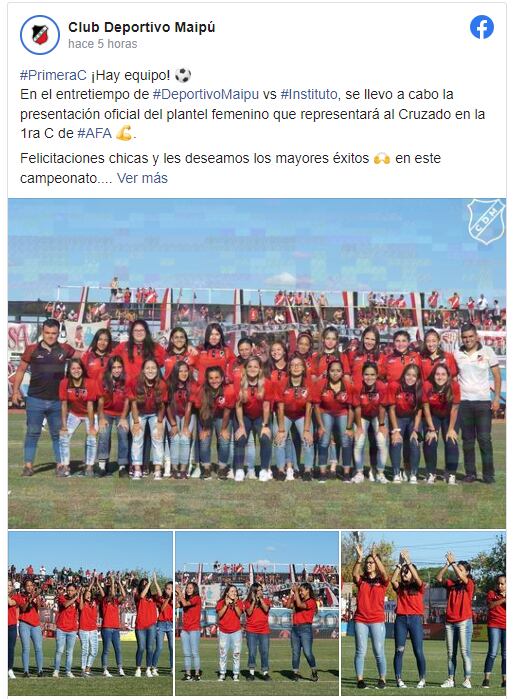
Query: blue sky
[[430, 547], [251, 547], [103, 550], [330, 244]]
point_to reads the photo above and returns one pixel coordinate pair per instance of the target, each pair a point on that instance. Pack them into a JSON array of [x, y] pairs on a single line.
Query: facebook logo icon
[[482, 27]]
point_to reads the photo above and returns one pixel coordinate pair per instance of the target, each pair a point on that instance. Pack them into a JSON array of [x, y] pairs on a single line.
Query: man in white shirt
[[481, 307], [475, 362]]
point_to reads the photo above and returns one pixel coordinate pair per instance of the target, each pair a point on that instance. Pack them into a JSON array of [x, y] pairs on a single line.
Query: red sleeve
[[92, 388], [382, 389], [27, 354], [63, 389], [426, 389], [490, 597], [381, 366], [448, 583], [451, 363], [345, 363], [456, 392], [391, 391], [269, 391], [130, 390], [60, 601], [164, 391], [70, 351], [159, 354], [315, 391], [195, 601], [230, 397], [101, 392], [315, 361], [219, 605]]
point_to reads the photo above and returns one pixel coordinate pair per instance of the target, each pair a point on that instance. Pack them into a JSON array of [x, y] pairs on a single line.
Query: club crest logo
[[40, 34], [486, 220]]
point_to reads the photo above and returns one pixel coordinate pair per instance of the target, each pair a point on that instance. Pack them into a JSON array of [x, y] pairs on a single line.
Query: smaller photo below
[[257, 613], [423, 612], [90, 613]]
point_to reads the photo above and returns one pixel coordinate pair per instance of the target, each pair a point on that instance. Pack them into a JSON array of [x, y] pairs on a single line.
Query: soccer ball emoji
[[183, 74]]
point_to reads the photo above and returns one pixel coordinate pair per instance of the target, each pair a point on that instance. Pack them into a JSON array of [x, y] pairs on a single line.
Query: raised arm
[[356, 571]]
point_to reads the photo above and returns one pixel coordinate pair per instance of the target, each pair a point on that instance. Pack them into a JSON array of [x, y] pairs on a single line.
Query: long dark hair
[[195, 592], [446, 389], [148, 342], [410, 587], [219, 329], [366, 577], [141, 585], [458, 585], [175, 330], [425, 352], [328, 386], [285, 349], [253, 589], [174, 383], [361, 348], [364, 387], [417, 387], [107, 379], [208, 396], [307, 586], [84, 376], [168, 582], [304, 375], [227, 588], [141, 384], [97, 336], [335, 353], [309, 337]]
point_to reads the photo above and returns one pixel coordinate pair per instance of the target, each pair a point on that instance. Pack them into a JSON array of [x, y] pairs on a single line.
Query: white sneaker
[[158, 476], [121, 672], [263, 475], [381, 478], [55, 673], [431, 479], [270, 475], [289, 474], [358, 477], [400, 684], [371, 476], [467, 683], [70, 675], [239, 476], [11, 675], [421, 684], [106, 673], [251, 474], [236, 678], [102, 466], [404, 477], [138, 672], [451, 480], [221, 678], [397, 478], [148, 672], [137, 476], [230, 475], [413, 480], [168, 470], [155, 673], [448, 684]]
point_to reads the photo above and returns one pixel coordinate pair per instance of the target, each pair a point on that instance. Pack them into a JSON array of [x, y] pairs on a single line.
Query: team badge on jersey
[[486, 220]]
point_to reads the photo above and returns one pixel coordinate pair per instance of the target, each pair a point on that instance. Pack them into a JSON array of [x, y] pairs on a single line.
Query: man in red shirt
[[67, 624]]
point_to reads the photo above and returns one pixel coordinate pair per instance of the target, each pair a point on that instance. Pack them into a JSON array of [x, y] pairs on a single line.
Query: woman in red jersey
[[66, 627], [304, 350], [12, 626], [257, 629], [111, 597], [409, 617], [401, 357], [214, 352], [254, 399], [139, 347], [496, 623], [229, 609], [191, 604], [328, 354], [368, 350], [294, 404], [369, 401], [404, 399], [432, 355], [146, 623], [78, 394], [147, 395], [458, 617], [441, 398], [113, 409], [245, 350], [369, 618], [164, 625], [30, 601], [303, 603], [278, 362], [178, 350], [181, 419], [88, 628], [215, 402], [96, 357]]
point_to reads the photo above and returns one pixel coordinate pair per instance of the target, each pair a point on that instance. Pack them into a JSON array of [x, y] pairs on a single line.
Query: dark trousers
[[11, 643], [413, 624], [452, 452], [476, 423]]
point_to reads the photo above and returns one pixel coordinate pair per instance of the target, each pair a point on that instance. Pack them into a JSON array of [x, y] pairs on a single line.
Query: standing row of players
[[322, 403]]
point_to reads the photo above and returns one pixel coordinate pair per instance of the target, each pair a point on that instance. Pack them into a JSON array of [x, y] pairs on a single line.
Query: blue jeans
[[406, 425], [302, 639], [452, 451], [64, 640], [178, 446], [36, 410], [229, 642], [222, 444], [138, 441], [413, 623], [163, 628], [11, 642], [338, 424], [30, 633], [64, 440], [380, 445], [111, 636], [476, 423], [146, 639], [190, 649], [377, 633], [265, 443], [459, 633], [496, 636], [104, 441], [257, 641], [89, 646], [282, 448]]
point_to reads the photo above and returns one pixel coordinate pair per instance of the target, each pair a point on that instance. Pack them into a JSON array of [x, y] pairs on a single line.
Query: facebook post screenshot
[[256, 281]]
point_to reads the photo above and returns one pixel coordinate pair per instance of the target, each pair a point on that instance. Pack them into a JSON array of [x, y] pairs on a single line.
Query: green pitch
[[97, 684], [325, 651], [436, 664], [43, 501]]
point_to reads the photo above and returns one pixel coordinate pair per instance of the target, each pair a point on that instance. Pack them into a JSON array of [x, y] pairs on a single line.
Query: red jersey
[[253, 406], [31, 616], [405, 402], [191, 615], [496, 616], [133, 368], [67, 619], [150, 405], [114, 400], [309, 360], [295, 399], [454, 302], [329, 401], [146, 612], [459, 600], [230, 622], [394, 364], [172, 359], [257, 622], [357, 360], [438, 402], [279, 378], [12, 613], [321, 363], [428, 364], [224, 358], [110, 614], [165, 611], [370, 399], [88, 616], [370, 601], [78, 398], [182, 396], [94, 364], [433, 300], [410, 602], [305, 616], [226, 400]]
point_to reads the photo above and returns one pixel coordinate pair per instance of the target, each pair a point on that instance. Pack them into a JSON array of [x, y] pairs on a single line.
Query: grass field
[[325, 651], [44, 501], [436, 664], [97, 685]]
